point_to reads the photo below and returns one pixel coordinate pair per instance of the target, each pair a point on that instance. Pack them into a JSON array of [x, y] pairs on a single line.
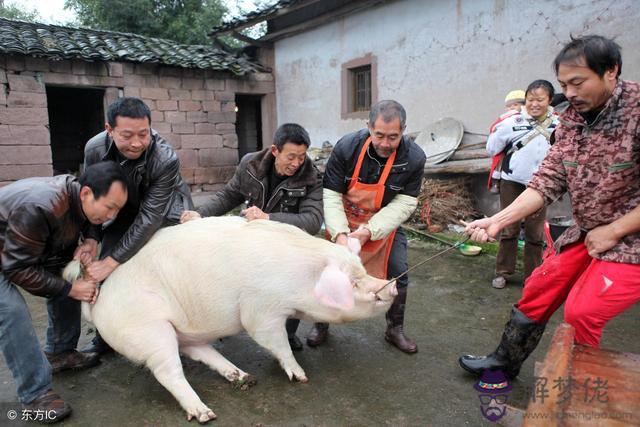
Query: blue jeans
[[19, 342]]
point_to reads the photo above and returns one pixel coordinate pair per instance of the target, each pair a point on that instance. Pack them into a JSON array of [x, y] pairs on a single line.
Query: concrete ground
[[356, 379]]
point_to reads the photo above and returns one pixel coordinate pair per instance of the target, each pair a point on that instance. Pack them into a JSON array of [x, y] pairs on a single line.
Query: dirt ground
[[356, 379]]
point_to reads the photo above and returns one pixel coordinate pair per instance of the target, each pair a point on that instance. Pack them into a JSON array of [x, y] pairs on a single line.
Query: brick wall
[[193, 109], [24, 136], [195, 112]]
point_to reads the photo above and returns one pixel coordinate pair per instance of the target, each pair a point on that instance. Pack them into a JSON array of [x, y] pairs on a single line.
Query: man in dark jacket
[[279, 183], [41, 220], [371, 184], [157, 192]]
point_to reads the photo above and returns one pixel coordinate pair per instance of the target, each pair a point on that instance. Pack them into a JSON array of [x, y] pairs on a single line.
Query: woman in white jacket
[[524, 138]]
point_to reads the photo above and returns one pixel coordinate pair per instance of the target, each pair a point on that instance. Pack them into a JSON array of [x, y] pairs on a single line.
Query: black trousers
[[398, 262]]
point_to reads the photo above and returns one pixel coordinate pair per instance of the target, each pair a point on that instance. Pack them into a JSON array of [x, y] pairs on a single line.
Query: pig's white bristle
[[73, 271]]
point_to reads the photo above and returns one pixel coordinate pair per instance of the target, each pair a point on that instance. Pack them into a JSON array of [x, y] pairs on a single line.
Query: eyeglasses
[[486, 399]]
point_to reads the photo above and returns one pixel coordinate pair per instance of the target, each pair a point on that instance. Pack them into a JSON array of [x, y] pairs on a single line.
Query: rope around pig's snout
[[454, 246]]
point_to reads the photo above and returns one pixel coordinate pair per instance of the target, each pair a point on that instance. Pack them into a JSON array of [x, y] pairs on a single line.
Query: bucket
[[558, 225]]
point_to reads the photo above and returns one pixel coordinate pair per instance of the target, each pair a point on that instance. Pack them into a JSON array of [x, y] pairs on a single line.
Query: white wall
[[442, 58]]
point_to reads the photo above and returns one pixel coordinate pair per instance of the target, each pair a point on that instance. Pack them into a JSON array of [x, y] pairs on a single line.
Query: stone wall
[[193, 109], [24, 136]]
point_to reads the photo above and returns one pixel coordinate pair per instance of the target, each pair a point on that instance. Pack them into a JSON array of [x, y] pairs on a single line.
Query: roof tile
[[57, 42], [258, 15]]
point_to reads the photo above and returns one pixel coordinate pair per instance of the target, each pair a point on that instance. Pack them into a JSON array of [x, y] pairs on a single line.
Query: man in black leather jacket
[[279, 183], [41, 220], [157, 192]]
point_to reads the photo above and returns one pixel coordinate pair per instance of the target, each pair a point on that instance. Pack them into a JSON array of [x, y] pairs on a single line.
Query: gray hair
[[389, 110]]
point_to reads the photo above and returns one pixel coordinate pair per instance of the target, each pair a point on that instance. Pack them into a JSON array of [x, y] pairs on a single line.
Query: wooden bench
[[583, 386]]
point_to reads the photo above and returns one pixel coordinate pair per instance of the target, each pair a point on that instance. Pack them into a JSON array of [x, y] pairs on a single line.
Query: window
[[359, 87]]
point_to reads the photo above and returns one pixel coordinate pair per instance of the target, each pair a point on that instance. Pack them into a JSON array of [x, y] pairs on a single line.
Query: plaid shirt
[[599, 165]]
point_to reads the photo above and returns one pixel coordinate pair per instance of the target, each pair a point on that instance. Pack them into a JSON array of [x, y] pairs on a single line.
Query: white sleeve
[[391, 216], [335, 220], [499, 138]]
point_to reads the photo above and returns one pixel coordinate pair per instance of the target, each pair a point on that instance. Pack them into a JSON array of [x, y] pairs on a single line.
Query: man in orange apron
[[371, 184]]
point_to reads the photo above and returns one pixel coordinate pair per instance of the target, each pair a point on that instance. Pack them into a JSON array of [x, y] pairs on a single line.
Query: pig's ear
[[354, 245], [334, 289]]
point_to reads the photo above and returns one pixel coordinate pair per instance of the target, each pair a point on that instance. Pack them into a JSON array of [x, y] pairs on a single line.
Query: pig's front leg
[[213, 359], [270, 333], [162, 357]]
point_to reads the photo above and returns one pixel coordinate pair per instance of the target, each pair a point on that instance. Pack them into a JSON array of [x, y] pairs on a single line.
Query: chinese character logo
[[493, 389]]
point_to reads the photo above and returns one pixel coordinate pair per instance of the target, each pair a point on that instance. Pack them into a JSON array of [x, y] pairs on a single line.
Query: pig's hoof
[[301, 377], [244, 383], [202, 414], [234, 376]]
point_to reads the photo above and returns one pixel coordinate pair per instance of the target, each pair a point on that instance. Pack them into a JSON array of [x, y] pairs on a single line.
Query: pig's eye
[[355, 283]]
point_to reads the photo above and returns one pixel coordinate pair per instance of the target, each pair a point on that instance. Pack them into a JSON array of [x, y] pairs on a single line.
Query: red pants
[[593, 291]]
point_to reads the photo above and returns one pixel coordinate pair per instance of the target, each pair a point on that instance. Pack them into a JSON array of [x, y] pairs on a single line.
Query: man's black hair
[[558, 99], [541, 84], [600, 53], [99, 177], [130, 107], [291, 132]]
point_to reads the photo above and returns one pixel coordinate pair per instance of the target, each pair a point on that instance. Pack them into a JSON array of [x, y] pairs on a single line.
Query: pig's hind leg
[[157, 346], [269, 331], [213, 359]]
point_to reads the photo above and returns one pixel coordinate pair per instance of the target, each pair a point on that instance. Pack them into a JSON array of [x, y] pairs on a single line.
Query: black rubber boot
[[97, 345], [318, 334], [520, 337], [294, 342], [395, 324]]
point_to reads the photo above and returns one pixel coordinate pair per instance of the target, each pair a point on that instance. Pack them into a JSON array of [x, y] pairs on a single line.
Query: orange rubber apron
[[361, 202]]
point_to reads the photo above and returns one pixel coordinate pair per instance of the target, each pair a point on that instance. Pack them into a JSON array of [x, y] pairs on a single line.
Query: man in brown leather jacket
[[279, 183], [41, 220], [157, 192]]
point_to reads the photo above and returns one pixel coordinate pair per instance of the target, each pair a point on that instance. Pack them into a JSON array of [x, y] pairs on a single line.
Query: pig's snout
[[386, 293]]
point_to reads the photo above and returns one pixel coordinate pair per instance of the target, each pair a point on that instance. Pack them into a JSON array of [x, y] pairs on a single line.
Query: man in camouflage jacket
[[596, 158]]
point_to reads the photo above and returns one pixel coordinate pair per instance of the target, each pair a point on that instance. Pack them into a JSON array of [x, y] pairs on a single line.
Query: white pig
[[214, 277]]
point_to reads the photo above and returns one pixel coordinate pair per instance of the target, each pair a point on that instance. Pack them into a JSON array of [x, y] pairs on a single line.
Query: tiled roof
[[56, 42], [255, 16]]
